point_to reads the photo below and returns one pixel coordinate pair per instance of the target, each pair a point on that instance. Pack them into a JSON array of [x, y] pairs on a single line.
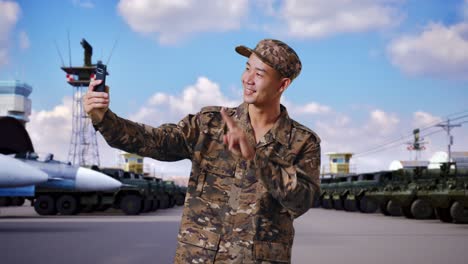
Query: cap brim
[[244, 51]]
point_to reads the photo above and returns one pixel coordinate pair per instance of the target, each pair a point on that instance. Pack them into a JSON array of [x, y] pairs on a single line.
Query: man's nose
[[248, 77]]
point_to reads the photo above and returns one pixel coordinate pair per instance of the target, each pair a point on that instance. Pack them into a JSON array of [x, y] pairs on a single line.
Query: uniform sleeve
[[293, 185], [168, 142]]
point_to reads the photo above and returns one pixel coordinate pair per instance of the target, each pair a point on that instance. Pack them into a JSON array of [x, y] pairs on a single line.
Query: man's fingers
[[98, 100], [92, 84], [99, 105], [91, 95], [246, 150], [229, 122]]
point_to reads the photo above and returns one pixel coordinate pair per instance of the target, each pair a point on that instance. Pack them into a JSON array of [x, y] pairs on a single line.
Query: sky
[[373, 70]]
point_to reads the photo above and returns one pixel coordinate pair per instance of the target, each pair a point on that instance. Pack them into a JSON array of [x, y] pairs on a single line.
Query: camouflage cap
[[276, 54]]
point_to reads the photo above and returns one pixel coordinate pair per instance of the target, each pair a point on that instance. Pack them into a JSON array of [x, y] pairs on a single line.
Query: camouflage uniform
[[236, 211]]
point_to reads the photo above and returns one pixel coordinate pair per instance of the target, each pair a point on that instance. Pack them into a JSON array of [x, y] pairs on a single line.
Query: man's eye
[[259, 75]]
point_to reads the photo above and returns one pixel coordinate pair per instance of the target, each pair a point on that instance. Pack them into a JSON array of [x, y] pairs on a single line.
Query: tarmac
[[322, 236]]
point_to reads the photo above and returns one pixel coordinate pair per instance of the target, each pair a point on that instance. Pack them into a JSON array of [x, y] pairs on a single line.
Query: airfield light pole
[[83, 150]]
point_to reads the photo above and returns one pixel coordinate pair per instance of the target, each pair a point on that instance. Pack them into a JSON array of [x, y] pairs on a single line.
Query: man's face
[[261, 83]]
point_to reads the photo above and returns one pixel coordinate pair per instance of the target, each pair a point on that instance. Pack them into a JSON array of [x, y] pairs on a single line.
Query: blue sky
[[372, 69]]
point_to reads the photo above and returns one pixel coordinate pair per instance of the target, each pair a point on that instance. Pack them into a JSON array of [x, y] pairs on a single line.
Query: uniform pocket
[[217, 183], [197, 246], [269, 251]]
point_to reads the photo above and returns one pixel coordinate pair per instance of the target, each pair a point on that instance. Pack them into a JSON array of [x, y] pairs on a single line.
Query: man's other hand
[[236, 139]]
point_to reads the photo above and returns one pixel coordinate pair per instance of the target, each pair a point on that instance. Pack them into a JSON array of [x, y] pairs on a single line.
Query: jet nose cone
[[15, 173], [90, 180]]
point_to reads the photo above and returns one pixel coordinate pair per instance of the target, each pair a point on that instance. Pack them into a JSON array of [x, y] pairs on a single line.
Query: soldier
[[254, 169]]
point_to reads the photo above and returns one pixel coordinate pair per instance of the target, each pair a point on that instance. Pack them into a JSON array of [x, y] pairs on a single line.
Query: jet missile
[[15, 173], [66, 176]]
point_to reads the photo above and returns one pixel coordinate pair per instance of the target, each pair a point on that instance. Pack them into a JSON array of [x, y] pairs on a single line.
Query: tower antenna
[[59, 53], [112, 50], [69, 49]]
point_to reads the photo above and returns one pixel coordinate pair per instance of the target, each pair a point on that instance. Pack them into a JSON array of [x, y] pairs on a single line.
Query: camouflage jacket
[[236, 211]]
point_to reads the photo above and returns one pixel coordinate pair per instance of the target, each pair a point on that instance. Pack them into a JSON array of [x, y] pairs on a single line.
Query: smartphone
[[101, 72]]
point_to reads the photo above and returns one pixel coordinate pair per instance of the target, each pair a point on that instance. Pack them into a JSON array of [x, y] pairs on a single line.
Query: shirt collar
[[280, 131]]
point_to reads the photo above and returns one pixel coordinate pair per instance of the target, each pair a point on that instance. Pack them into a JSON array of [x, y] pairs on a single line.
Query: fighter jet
[[66, 176], [15, 173]]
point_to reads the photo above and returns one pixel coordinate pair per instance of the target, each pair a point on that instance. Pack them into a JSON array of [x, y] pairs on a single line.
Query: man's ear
[[285, 82]]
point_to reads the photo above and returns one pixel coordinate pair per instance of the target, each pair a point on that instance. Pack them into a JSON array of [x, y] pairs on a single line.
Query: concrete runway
[[322, 236]]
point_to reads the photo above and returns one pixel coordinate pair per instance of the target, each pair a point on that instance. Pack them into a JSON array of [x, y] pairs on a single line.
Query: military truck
[[388, 181], [449, 194], [404, 191], [174, 194], [136, 194], [51, 199]]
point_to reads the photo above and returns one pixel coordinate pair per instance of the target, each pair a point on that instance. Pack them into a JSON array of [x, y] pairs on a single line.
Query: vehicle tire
[[406, 211], [327, 204], [422, 209], [5, 201], [67, 205], [131, 204], [394, 209], [443, 214], [367, 205], [180, 200], [17, 201], [147, 205], [459, 213], [164, 202], [338, 204], [172, 201], [155, 204], [45, 205], [383, 208], [350, 205]]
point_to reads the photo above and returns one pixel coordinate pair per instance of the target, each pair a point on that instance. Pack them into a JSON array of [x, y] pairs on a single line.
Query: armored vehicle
[[388, 181], [135, 196], [449, 194]]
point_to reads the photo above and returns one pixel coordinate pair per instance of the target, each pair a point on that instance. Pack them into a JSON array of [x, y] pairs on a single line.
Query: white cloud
[[424, 119], [165, 107], [24, 42], [312, 108], [439, 50], [9, 15], [50, 132], [83, 3], [382, 122], [319, 18], [173, 20], [266, 6]]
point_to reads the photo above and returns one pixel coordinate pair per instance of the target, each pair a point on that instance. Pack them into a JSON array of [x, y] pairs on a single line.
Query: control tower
[[339, 162], [14, 100], [83, 150]]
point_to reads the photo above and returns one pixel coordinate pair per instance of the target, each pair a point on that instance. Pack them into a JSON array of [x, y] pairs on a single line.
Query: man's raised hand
[[96, 103], [236, 139]]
